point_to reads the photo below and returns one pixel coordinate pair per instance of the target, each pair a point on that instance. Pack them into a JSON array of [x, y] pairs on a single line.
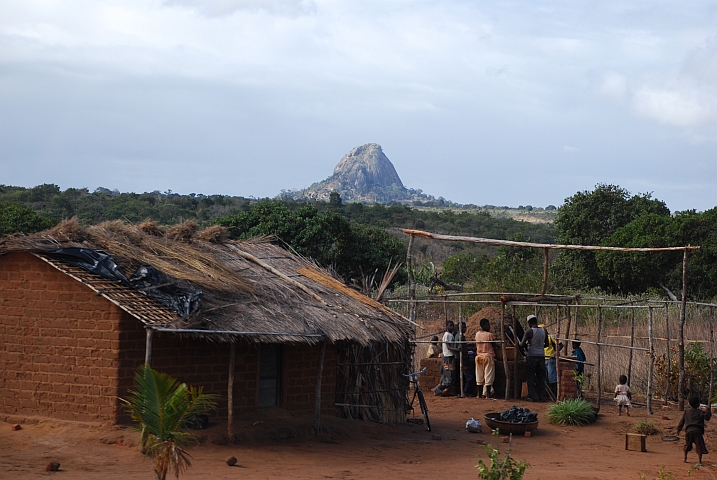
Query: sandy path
[[279, 446]]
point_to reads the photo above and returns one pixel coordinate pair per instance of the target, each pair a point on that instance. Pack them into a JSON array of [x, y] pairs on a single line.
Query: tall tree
[[589, 218]]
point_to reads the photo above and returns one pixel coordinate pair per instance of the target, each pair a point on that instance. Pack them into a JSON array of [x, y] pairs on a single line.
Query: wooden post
[[230, 392], [681, 339], [319, 378], [148, 347], [516, 381], [567, 330], [712, 357], [461, 346], [669, 363], [545, 272], [557, 358], [632, 344], [506, 370], [651, 339], [599, 355], [577, 334], [411, 281]]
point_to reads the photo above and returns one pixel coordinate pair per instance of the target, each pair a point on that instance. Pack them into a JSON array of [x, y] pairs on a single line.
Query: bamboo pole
[[681, 344], [632, 344], [652, 361], [667, 336], [599, 359], [148, 347], [230, 392], [506, 370], [319, 378]]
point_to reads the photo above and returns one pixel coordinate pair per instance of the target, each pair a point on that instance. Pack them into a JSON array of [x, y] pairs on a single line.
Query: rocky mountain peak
[[365, 167]]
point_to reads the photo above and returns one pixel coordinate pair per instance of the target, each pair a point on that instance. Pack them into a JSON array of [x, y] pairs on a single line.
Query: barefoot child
[[623, 395], [693, 422]]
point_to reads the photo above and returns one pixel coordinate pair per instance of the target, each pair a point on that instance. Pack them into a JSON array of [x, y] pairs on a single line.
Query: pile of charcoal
[[518, 415]]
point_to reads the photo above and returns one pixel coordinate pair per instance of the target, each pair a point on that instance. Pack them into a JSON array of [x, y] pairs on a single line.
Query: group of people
[[479, 359], [479, 366], [540, 370]]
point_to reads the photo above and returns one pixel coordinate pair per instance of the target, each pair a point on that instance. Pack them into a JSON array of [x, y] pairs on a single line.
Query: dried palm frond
[[386, 279]]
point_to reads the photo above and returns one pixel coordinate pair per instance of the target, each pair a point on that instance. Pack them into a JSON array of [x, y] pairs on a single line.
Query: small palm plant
[[161, 406]]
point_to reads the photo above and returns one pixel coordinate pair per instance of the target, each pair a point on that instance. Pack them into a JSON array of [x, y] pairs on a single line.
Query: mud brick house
[[243, 317]]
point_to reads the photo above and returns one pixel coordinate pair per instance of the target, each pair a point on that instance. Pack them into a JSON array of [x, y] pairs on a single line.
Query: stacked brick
[[568, 386]]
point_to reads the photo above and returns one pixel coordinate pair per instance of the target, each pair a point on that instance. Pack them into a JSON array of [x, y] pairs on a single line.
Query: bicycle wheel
[[424, 409]]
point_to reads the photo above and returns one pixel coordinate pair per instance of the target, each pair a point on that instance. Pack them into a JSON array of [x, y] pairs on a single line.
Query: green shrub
[[506, 468], [570, 411], [646, 427]]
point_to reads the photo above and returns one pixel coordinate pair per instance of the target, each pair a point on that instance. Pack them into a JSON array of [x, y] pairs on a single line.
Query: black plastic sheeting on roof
[[147, 279]]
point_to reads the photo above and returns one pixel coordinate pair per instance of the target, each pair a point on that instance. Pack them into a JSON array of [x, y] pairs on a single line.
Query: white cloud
[[673, 107], [220, 8], [613, 85]]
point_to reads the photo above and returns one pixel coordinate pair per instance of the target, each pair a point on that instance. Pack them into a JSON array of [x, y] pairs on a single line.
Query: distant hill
[[366, 175]]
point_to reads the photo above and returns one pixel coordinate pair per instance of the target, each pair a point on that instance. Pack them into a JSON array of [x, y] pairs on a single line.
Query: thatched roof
[[251, 289]]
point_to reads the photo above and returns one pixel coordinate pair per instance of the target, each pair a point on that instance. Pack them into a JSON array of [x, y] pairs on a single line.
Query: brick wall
[[58, 343], [68, 353]]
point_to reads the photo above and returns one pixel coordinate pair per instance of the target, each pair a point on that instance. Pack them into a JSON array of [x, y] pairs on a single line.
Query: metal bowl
[[506, 428]]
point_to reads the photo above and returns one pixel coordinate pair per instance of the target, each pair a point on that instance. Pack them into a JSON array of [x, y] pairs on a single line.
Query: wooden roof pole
[[511, 243], [269, 268]]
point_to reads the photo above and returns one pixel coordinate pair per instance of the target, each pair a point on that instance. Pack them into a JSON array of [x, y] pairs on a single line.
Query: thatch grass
[[182, 232]]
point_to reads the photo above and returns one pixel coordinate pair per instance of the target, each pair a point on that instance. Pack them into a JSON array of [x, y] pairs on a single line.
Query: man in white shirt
[[449, 365]]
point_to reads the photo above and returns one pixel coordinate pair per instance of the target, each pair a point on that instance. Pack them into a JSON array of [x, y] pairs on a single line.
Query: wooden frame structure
[[515, 299]]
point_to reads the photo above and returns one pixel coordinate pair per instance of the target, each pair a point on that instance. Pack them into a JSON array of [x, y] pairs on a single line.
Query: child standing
[[693, 422], [623, 396]]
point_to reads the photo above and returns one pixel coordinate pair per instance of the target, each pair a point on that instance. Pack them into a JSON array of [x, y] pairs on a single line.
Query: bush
[[697, 371], [570, 411], [646, 428], [506, 468]]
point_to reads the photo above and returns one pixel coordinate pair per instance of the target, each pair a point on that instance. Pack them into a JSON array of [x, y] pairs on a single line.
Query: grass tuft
[[570, 411]]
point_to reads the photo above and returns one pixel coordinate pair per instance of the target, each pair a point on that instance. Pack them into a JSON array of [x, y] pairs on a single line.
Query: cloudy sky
[[504, 103]]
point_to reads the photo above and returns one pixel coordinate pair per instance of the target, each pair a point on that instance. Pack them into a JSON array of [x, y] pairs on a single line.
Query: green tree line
[[608, 216]]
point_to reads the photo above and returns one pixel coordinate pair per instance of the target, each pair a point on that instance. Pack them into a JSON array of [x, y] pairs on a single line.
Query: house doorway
[[269, 375]]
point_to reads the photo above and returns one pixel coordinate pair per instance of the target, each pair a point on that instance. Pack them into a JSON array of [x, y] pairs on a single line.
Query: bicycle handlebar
[[415, 373]]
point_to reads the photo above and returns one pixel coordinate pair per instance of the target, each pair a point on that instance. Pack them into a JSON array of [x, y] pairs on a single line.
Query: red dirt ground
[[272, 443]]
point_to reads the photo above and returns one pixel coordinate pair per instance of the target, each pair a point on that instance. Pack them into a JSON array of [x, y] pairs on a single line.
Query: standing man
[[449, 364], [536, 339]]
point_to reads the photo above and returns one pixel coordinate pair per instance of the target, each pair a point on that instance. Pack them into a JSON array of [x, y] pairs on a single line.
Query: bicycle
[[417, 392]]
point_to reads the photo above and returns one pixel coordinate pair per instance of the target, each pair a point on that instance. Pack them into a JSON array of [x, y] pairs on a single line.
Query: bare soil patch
[[273, 443]]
